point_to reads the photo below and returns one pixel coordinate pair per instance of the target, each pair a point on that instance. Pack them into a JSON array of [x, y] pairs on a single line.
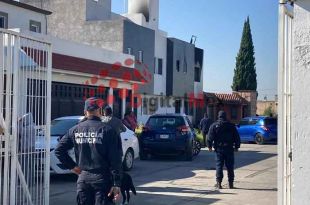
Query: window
[[178, 65], [155, 68], [177, 105], [186, 107], [253, 121], [197, 74], [160, 66], [144, 107], [140, 56], [234, 113], [35, 26], [184, 66], [3, 20], [129, 51], [244, 122]]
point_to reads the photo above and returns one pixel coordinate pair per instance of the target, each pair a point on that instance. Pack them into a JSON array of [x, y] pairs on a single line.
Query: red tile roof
[[231, 98]]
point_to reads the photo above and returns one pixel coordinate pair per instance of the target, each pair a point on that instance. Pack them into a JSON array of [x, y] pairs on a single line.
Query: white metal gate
[[285, 98], [25, 87]]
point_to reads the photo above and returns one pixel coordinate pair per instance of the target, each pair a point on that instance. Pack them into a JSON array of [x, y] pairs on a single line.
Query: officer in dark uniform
[[224, 137], [98, 161], [204, 126]]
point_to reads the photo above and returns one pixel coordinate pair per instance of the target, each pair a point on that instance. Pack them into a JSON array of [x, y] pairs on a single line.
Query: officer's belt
[[222, 144]]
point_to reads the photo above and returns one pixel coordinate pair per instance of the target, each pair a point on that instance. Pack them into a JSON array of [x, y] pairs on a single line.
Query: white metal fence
[[25, 87], [285, 97]]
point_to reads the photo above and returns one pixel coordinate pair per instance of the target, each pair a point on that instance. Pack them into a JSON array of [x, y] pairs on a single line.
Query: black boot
[[231, 185], [219, 185]]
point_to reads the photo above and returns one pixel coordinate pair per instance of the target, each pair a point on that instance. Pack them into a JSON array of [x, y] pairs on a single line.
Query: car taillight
[[184, 129], [265, 128]]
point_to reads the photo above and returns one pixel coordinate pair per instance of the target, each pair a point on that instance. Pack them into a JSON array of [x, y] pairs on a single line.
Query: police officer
[[114, 123], [97, 157], [224, 137], [204, 126]]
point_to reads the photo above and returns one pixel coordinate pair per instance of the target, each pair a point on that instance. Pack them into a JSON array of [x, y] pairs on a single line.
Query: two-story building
[[169, 65], [78, 70]]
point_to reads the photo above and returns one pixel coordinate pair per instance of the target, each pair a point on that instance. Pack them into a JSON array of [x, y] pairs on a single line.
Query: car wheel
[[188, 156], [196, 147], [128, 160], [259, 139]]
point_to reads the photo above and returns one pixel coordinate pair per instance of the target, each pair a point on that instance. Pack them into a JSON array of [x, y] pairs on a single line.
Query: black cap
[[93, 103], [222, 114]]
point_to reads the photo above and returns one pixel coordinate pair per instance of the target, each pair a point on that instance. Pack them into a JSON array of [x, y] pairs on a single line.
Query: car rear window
[[270, 121], [61, 127], [167, 122]]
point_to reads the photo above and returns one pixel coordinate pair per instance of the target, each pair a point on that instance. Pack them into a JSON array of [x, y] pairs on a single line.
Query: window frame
[[184, 66], [178, 64], [160, 61], [5, 16], [36, 24], [197, 74]]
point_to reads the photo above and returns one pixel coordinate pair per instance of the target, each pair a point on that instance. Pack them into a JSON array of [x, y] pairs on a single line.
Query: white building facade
[[294, 110]]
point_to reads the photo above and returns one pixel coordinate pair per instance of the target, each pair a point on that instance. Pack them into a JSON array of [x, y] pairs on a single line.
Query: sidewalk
[[175, 182], [256, 181]]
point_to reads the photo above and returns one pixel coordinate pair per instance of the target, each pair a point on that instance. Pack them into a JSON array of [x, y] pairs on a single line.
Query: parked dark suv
[[168, 134]]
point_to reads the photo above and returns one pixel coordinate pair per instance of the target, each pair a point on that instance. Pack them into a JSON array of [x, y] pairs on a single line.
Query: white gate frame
[[10, 66], [284, 104]]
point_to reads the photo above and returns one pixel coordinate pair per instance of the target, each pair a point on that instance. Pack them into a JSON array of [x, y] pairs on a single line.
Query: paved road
[[173, 182]]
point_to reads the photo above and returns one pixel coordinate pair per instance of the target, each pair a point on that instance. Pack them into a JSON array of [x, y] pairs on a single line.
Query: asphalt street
[[171, 181]]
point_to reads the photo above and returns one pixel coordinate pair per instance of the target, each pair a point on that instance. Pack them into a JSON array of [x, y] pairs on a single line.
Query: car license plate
[[164, 136]]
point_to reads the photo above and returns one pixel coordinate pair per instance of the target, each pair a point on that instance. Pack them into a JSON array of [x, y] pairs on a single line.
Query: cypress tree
[[245, 71]]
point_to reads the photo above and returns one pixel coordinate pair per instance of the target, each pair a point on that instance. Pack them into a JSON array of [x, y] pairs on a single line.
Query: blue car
[[168, 134], [258, 129]]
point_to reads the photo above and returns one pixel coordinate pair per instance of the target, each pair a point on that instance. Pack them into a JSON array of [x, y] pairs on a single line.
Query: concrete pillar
[[110, 98], [123, 101], [182, 106]]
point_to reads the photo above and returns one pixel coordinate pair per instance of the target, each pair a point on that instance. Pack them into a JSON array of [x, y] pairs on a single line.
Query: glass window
[[178, 65], [186, 107], [3, 20], [270, 121], [244, 122], [197, 74], [160, 66], [253, 121], [61, 127], [145, 107], [184, 66], [35, 26], [177, 106], [165, 122]]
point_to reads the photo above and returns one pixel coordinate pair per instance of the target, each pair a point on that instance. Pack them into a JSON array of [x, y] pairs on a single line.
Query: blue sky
[[218, 25]]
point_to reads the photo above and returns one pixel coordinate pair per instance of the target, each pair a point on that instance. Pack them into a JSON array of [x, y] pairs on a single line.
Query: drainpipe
[[281, 140], [284, 100]]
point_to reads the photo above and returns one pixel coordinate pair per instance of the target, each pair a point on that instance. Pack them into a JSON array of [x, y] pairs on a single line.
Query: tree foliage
[[269, 112], [245, 70]]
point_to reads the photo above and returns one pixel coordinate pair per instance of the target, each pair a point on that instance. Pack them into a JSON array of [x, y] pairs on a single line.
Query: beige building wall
[[263, 105], [251, 98]]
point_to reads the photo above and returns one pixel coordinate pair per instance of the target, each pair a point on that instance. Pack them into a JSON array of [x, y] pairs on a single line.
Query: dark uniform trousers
[[93, 189], [225, 155]]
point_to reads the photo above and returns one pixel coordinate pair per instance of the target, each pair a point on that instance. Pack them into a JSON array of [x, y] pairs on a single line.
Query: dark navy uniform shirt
[[223, 134], [96, 148]]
